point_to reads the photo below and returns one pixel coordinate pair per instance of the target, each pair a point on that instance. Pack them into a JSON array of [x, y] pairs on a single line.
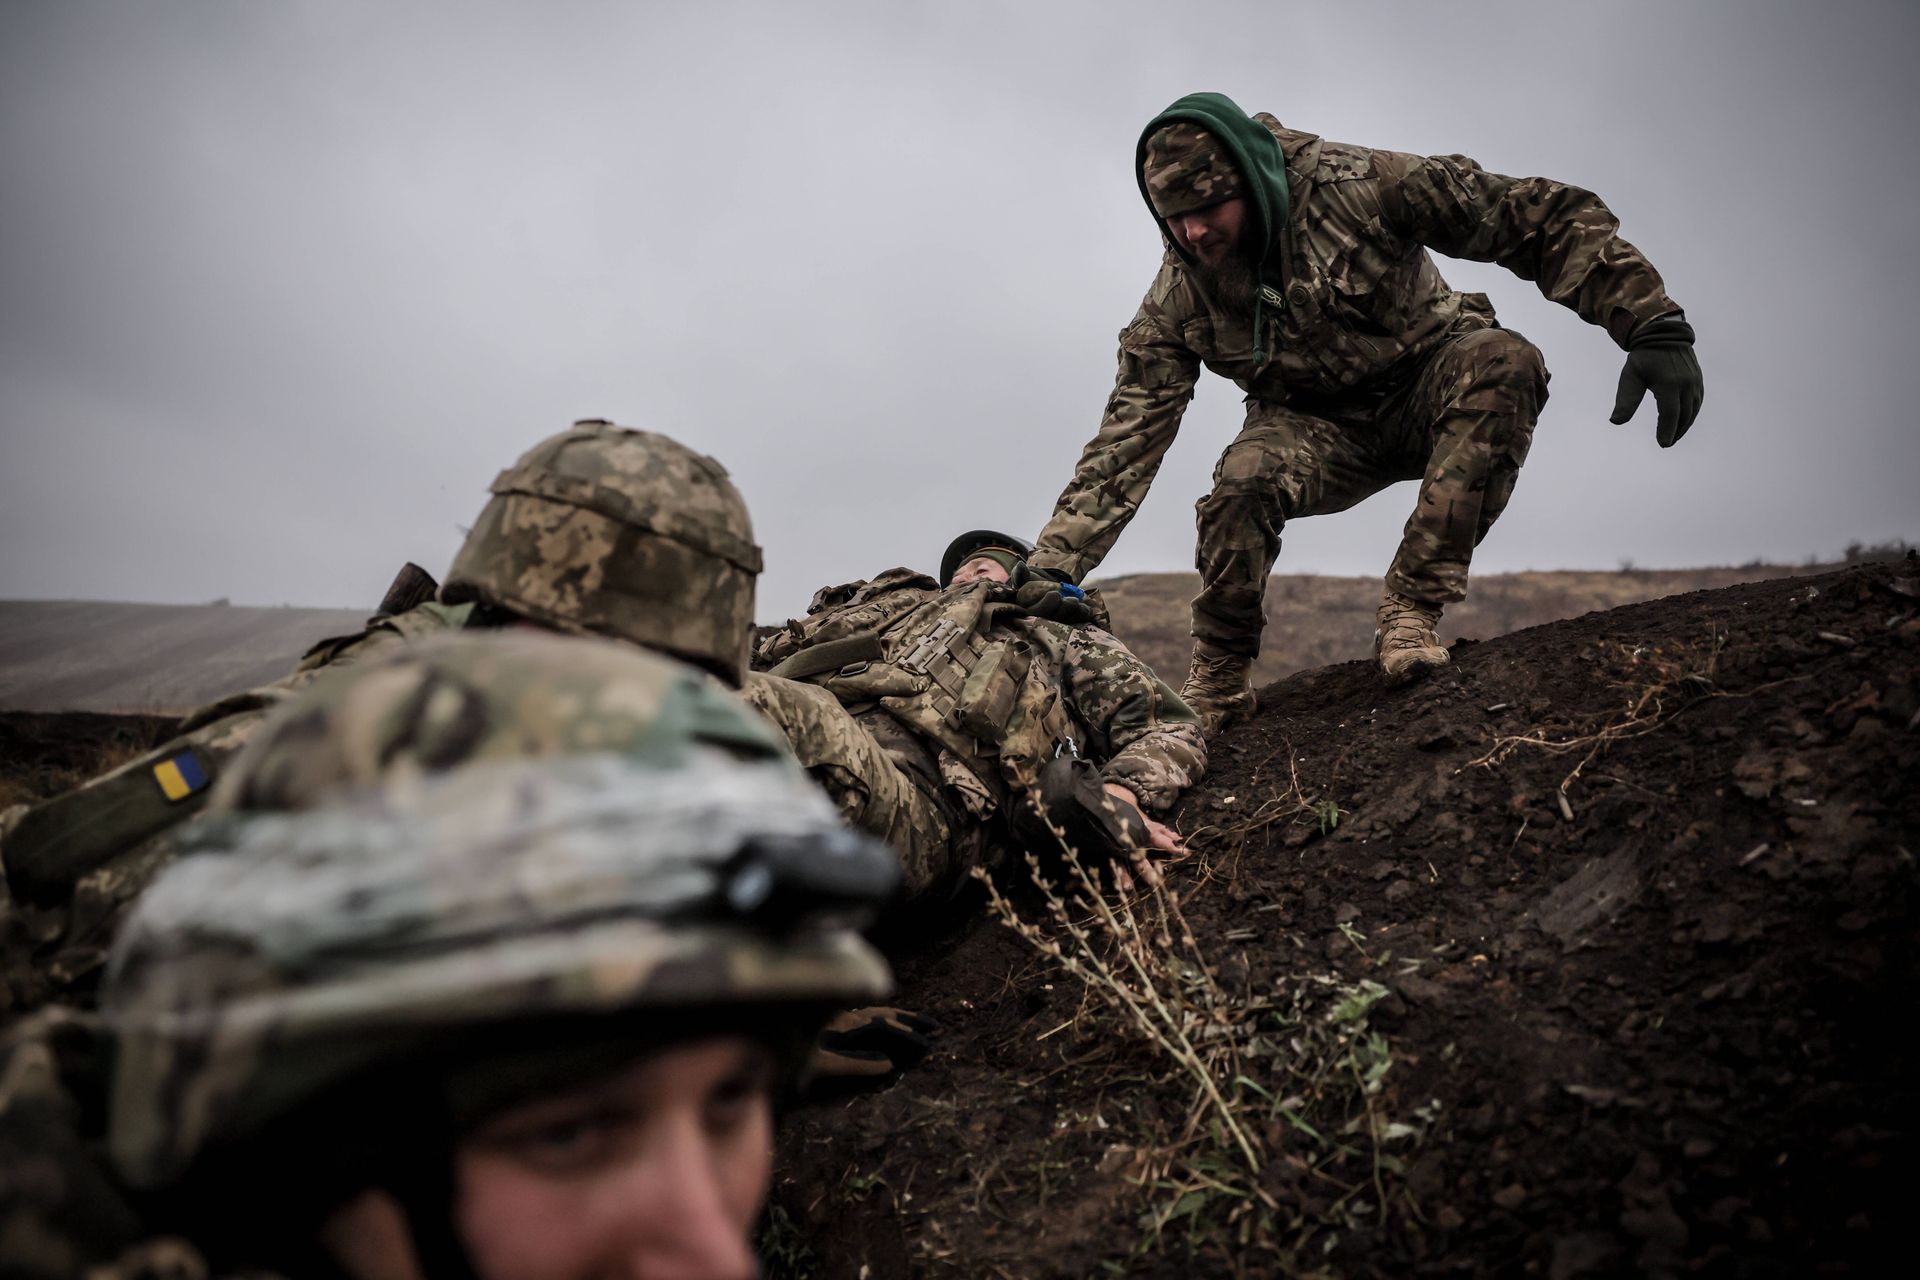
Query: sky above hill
[[283, 285]]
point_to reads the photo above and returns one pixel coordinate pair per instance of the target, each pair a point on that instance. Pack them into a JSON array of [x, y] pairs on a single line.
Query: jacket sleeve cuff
[[1622, 324], [1056, 562], [1669, 329], [1158, 777]]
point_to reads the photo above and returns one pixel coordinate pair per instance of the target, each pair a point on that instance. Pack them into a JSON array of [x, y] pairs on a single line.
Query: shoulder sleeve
[[1150, 740], [1150, 392], [1562, 237], [381, 632]]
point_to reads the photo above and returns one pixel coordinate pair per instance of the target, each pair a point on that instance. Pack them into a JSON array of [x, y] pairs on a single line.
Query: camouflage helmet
[[978, 542], [575, 865], [623, 533]]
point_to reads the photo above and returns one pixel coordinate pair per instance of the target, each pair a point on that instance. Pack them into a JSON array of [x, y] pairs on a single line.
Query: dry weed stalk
[[1112, 954], [1290, 805], [1677, 680]]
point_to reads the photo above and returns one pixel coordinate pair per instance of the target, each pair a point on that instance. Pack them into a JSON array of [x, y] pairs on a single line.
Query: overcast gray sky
[[283, 285]]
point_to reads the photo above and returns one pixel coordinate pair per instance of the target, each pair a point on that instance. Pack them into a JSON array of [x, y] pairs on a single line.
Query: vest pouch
[[992, 688], [870, 682]]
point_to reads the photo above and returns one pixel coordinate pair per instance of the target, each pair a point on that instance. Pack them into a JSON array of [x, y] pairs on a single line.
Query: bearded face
[[1217, 242], [1231, 282]]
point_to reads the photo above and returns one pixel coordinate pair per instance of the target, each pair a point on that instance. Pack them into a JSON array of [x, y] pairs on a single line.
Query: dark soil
[[1666, 1033]]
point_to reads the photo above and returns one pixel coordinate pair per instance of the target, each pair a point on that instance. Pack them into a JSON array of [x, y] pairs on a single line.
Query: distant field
[[85, 655], [1313, 621]]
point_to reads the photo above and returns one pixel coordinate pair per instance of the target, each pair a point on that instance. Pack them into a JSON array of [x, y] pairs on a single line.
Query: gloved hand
[[871, 1043], [1660, 358], [1025, 572], [1045, 593]]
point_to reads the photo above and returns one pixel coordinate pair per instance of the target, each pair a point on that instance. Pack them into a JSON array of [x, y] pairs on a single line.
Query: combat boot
[[1219, 687], [1406, 643]]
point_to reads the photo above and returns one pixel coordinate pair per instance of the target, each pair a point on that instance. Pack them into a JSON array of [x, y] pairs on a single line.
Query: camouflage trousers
[[874, 791], [1460, 423]]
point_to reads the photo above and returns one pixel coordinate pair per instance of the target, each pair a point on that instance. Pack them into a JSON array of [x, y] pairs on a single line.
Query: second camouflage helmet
[[618, 532]]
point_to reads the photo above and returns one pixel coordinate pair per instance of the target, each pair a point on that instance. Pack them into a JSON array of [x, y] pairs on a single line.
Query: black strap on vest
[[829, 655]]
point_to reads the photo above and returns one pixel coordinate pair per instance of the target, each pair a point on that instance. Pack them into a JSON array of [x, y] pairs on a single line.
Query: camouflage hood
[[290, 952], [1176, 172]]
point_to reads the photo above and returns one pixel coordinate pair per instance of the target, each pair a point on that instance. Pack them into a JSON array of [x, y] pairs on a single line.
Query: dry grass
[[1288, 805], [1285, 1089], [1165, 991], [1656, 684], [46, 755]]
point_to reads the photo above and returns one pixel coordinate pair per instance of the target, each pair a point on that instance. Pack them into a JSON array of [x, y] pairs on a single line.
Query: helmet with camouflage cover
[[481, 832], [612, 531]]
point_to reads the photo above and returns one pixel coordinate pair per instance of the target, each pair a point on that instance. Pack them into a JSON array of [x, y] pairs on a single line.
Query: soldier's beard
[[1231, 284]]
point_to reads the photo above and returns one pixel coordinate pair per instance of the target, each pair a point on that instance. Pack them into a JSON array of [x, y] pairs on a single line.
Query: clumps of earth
[[1593, 955]]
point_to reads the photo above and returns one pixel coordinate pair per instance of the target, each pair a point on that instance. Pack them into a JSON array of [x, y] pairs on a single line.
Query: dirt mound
[[1317, 619], [1590, 956]]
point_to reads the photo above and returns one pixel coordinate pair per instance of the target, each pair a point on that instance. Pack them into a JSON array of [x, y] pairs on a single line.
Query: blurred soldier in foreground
[[1298, 268], [599, 530], [488, 960], [936, 715]]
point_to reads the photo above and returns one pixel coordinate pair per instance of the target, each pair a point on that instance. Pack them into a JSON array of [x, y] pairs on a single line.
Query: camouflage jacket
[[75, 861], [1363, 302], [62, 1211], [996, 691]]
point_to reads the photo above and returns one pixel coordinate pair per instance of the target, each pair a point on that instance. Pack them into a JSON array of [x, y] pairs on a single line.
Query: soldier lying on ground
[[1298, 268], [598, 530], [487, 960], [935, 714]]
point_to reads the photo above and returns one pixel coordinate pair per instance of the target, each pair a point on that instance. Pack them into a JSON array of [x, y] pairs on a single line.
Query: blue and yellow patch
[[180, 777]]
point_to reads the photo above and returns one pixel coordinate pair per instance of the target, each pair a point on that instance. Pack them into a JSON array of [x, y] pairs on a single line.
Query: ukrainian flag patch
[[180, 777]]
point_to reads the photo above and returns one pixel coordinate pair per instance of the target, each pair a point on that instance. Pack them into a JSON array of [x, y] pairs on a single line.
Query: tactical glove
[[1045, 593], [1026, 572], [1068, 803], [871, 1043], [1660, 358]]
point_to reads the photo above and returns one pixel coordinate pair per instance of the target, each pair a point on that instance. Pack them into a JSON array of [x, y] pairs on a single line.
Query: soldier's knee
[[1235, 521], [1248, 484], [1260, 492], [1504, 357], [1249, 462]]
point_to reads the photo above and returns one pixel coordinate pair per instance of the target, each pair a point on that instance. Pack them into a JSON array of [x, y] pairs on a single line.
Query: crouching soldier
[[1299, 268], [598, 530], [488, 960], [937, 712]]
